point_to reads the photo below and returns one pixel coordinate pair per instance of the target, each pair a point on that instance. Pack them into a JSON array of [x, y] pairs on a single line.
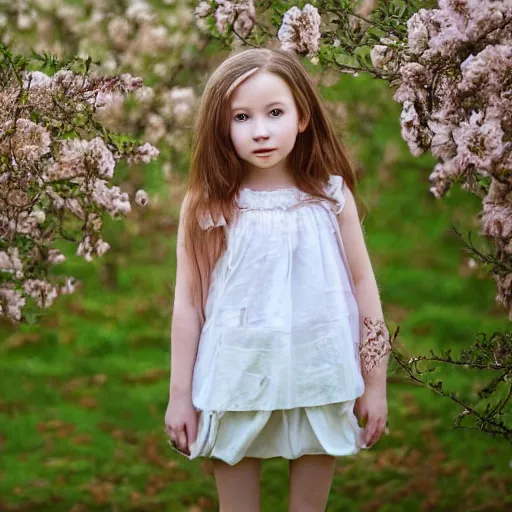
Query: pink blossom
[[10, 262], [68, 287], [300, 30], [80, 157], [112, 199], [55, 257], [240, 15], [41, 291], [202, 9], [143, 154], [88, 249], [28, 143], [11, 303]]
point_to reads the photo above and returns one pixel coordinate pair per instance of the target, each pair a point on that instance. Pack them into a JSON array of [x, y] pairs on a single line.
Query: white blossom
[[141, 198]]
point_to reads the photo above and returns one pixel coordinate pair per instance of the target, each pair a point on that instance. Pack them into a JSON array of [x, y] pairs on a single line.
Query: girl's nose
[[260, 130]]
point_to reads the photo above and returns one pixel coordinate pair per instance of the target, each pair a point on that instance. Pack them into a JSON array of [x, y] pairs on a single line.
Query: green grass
[[84, 391]]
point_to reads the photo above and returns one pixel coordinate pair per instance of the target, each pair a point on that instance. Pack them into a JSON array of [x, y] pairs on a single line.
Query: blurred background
[[84, 388]]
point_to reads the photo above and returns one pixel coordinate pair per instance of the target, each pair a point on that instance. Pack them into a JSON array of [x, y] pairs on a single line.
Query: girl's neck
[[265, 183]]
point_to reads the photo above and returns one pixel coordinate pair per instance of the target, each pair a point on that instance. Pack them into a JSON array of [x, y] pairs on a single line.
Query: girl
[[278, 341]]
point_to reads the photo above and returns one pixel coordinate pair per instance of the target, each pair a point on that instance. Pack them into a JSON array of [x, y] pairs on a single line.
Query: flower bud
[[141, 198], [39, 216]]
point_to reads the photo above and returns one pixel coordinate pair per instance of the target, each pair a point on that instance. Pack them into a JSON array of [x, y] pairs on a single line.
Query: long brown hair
[[217, 172]]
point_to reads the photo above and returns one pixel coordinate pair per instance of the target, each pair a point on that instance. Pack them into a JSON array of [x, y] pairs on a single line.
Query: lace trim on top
[[285, 198], [280, 199]]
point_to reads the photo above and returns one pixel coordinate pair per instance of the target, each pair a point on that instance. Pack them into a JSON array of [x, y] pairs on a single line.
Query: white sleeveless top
[[281, 324]]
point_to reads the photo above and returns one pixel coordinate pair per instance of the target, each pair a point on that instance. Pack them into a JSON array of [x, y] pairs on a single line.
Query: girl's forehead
[[261, 88]]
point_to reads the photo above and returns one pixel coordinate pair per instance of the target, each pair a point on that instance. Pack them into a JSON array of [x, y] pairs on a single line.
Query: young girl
[[278, 341]]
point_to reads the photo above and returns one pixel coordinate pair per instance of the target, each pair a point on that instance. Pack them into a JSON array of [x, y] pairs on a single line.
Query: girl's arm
[[186, 323], [374, 345]]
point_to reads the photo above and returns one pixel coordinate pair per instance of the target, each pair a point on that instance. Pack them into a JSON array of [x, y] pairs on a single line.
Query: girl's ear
[[303, 124]]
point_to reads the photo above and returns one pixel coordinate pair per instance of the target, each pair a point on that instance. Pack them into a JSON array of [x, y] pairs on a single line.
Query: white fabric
[[290, 433], [281, 322]]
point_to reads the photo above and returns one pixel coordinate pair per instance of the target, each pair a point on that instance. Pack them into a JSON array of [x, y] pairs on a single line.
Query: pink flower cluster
[[47, 181], [456, 102], [240, 15], [149, 39], [300, 30]]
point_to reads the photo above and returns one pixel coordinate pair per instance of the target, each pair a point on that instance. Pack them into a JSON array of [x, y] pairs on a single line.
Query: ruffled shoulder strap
[[206, 221], [334, 189]]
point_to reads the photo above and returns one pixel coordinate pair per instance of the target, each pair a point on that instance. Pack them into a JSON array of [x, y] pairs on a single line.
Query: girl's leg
[[238, 486], [310, 482]]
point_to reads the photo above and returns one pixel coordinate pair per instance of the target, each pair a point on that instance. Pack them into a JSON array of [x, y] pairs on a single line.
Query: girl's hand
[[181, 419], [372, 407]]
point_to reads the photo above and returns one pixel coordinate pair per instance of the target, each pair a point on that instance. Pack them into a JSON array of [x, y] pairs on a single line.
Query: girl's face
[[264, 116]]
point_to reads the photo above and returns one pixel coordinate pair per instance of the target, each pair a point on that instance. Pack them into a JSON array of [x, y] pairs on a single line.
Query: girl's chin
[[265, 161]]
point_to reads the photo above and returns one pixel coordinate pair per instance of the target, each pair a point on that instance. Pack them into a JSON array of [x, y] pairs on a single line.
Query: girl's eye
[[274, 110]]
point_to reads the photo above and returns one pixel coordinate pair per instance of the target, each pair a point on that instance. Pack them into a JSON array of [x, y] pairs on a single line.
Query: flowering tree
[[154, 39], [451, 69], [126, 37], [56, 160]]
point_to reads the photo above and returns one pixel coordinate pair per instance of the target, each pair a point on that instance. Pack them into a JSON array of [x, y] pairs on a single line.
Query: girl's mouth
[[263, 153]]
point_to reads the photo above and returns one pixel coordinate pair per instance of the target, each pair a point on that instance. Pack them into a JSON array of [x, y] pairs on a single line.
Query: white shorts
[[289, 433]]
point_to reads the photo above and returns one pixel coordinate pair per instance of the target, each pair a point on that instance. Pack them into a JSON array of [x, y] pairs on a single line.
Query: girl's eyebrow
[[235, 107]]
